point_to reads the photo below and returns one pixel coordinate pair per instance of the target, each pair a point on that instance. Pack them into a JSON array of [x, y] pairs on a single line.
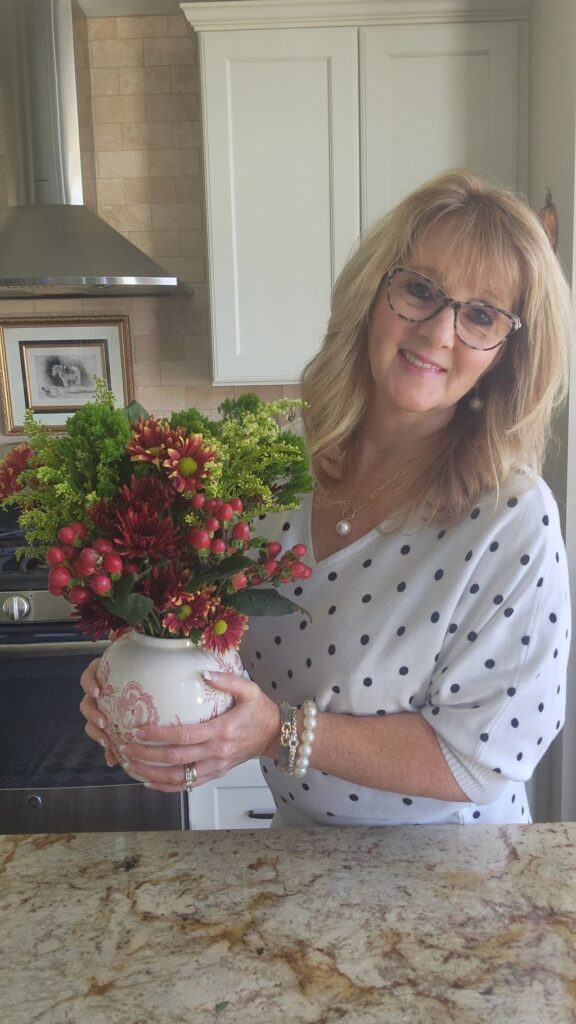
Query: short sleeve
[[497, 696]]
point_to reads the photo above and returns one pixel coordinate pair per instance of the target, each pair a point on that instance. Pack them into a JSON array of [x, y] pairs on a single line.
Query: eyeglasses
[[479, 325]]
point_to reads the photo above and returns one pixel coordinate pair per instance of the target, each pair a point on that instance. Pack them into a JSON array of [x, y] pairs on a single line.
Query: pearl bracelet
[[304, 751]]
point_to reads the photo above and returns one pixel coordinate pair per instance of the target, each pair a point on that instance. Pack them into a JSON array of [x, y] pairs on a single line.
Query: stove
[[53, 778]]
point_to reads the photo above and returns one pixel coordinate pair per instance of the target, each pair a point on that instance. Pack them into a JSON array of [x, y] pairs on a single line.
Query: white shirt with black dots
[[467, 626]]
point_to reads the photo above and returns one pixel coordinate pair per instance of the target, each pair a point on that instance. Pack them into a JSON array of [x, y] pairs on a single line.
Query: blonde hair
[[492, 230]]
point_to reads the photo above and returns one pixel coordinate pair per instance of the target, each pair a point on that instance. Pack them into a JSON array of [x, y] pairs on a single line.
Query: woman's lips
[[419, 365]]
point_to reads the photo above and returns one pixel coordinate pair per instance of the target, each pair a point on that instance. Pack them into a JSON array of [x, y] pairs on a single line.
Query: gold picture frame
[[49, 365]]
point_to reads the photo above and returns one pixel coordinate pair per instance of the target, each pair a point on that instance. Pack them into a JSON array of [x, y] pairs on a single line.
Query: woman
[[437, 645]]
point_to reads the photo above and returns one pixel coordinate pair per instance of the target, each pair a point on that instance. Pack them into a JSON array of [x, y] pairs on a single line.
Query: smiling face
[[420, 371]]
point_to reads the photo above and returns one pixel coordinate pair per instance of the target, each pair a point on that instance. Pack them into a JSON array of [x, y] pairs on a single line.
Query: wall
[[141, 139]]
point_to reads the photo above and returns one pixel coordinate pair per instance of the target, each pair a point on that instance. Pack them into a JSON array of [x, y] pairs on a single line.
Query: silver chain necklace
[[349, 511]]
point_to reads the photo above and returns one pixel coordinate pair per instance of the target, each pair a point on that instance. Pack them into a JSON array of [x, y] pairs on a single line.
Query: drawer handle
[[261, 815]]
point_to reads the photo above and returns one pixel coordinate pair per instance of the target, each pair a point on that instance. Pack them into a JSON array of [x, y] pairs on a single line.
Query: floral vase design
[[146, 680]]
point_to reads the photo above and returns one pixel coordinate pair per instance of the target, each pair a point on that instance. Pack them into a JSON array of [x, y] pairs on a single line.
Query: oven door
[[53, 778]]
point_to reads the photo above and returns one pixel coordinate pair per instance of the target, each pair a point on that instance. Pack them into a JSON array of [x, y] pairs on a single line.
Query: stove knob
[[16, 607]]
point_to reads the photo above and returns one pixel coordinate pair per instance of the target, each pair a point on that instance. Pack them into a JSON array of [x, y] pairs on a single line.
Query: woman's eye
[[420, 290], [480, 316]]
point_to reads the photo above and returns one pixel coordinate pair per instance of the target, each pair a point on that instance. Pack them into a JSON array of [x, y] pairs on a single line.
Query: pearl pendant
[[343, 527]]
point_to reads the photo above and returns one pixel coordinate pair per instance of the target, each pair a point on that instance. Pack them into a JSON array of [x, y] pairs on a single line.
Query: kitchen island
[[414, 924]]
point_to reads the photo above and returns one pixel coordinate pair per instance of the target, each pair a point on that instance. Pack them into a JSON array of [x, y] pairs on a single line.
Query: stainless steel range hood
[[50, 244]]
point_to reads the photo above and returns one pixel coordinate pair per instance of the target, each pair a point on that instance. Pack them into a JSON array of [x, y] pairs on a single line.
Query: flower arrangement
[[149, 523]]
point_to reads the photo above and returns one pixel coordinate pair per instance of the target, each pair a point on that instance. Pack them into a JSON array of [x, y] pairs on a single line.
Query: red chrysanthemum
[[151, 489], [150, 441], [190, 612], [141, 531], [188, 463], [95, 621], [164, 586], [15, 462], [224, 630]]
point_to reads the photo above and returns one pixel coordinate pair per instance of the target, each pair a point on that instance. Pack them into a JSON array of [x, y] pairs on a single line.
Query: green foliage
[[194, 422]]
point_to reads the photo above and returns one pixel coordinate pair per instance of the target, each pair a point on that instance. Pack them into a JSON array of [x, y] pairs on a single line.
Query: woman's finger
[[88, 679]]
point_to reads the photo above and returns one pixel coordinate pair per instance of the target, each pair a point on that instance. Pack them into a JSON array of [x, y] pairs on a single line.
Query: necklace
[[349, 511]]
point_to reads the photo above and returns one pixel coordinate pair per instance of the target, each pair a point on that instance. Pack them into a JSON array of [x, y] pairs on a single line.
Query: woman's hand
[[249, 729], [95, 726]]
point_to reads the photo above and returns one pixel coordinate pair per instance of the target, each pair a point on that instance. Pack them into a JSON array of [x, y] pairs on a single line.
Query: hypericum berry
[[301, 571], [112, 564], [67, 534], [198, 501], [79, 595], [273, 548], [100, 584], [210, 504], [102, 546], [237, 505], [271, 566], [89, 557], [225, 512], [239, 581], [80, 530], [241, 531], [218, 547], [55, 556], [299, 550], [199, 539], [55, 591], [60, 576], [211, 524]]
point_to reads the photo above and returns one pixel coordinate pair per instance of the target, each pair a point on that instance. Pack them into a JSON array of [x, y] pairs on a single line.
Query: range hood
[[50, 243]]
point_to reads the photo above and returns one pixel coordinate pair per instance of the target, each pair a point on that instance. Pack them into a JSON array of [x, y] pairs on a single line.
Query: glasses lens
[[482, 326], [414, 296]]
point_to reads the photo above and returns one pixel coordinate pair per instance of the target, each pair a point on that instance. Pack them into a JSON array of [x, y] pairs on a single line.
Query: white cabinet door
[[282, 170], [435, 97], [240, 799]]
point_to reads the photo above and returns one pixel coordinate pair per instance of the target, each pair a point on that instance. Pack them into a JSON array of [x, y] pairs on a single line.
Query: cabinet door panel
[[240, 799], [435, 97], [281, 143]]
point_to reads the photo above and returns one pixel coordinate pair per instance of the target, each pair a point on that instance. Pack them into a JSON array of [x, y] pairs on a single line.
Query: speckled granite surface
[[414, 924]]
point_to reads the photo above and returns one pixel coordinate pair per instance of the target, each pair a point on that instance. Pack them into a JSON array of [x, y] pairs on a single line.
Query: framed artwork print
[[50, 365]]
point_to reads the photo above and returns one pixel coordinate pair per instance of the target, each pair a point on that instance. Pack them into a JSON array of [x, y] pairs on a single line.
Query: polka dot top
[[467, 626]]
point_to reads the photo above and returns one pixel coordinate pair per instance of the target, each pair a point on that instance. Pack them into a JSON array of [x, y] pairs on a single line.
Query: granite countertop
[[414, 924]]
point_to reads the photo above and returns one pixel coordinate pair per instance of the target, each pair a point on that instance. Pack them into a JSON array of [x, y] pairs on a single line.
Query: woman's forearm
[[399, 753]]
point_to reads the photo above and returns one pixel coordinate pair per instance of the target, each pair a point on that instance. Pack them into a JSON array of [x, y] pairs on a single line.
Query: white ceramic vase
[[146, 680]]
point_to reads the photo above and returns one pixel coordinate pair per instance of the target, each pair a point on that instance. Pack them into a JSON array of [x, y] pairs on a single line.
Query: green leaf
[[263, 602], [134, 411], [133, 608], [228, 567]]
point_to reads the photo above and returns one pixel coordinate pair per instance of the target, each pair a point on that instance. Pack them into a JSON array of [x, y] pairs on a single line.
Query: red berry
[[55, 556], [89, 557], [271, 566], [210, 504], [218, 547], [299, 550], [211, 524], [100, 584], [112, 564], [67, 534], [241, 531], [198, 501], [102, 546], [225, 512], [55, 591], [239, 581], [237, 505], [80, 530], [79, 595], [273, 548], [301, 571], [199, 539], [60, 576]]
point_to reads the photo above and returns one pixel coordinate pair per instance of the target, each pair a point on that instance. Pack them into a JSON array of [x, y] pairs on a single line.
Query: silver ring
[[190, 776]]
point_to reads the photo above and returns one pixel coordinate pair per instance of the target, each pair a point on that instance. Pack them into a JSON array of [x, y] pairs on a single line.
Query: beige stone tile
[[168, 51], [185, 78], [144, 80], [16, 307], [189, 371], [83, 86], [267, 393], [111, 191], [86, 136], [107, 136], [172, 107], [57, 307], [122, 163], [189, 189], [291, 390], [188, 135], [208, 396], [121, 109], [149, 190], [188, 268], [127, 218], [116, 53], [116, 305], [2, 141], [101, 28], [193, 243], [201, 298], [81, 54], [141, 26], [154, 348], [173, 163], [179, 26], [89, 193], [197, 346], [87, 164], [162, 396], [105, 81], [143, 135], [157, 243], [171, 324], [84, 110], [196, 321], [146, 373], [79, 29], [176, 216]]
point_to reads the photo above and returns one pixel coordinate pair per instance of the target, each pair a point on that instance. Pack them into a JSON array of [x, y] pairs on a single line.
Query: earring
[[475, 403]]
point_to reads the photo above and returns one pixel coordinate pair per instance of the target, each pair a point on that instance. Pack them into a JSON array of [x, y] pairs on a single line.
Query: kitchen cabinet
[[240, 799], [318, 118]]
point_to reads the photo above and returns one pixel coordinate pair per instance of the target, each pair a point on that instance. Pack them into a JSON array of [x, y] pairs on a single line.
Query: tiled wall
[[141, 139]]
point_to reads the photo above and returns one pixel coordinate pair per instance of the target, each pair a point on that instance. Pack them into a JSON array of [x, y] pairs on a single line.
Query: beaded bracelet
[[304, 751]]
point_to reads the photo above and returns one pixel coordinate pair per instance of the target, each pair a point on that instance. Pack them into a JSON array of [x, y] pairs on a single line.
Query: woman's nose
[[441, 329]]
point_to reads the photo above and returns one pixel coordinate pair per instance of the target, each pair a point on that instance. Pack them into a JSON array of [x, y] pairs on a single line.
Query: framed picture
[[50, 365]]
